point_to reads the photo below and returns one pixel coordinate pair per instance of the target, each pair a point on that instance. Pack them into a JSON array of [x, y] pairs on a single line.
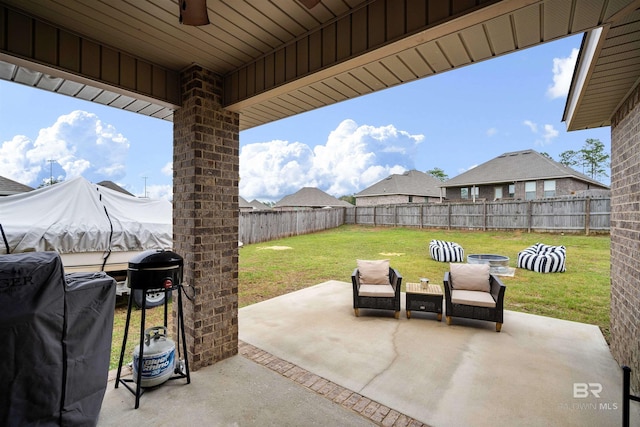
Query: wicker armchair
[[389, 301], [471, 310]]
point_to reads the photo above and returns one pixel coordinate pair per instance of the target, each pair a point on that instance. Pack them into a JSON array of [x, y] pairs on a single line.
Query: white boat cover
[[77, 216]]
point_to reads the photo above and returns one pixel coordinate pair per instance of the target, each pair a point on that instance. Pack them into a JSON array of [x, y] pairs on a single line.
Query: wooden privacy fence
[[571, 215], [263, 226], [583, 215]]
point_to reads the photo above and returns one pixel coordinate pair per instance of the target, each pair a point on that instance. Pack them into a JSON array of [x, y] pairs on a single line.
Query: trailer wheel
[[155, 297]]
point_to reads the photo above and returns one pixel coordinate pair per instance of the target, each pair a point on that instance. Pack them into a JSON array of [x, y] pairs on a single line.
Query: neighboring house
[[310, 198], [257, 205], [410, 187], [244, 205], [524, 175], [9, 187], [113, 186], [252, 206]]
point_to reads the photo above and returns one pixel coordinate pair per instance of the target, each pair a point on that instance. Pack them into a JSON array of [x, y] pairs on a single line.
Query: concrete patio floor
[[305, 359]]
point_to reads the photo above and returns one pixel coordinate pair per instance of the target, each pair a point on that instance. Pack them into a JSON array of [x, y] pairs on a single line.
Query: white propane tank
[[158, 358]]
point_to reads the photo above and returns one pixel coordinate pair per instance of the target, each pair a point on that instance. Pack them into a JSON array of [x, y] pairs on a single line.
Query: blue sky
[[454, 121]]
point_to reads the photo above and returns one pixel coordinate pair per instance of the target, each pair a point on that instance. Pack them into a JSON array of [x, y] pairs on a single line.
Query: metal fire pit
[[492, 260], [497, 263]]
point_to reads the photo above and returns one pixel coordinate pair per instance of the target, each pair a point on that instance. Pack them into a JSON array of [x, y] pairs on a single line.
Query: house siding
[[625, 235]]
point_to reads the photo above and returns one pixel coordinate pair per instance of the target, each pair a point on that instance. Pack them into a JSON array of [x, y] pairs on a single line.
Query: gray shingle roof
[[525, 165], [311, 197], [243, 204], [411, 183], [9, 187], [259, 205], [113, 186]]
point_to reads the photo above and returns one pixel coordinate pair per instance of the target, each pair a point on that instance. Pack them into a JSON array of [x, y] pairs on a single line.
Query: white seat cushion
[[475, 298], [376, 291]]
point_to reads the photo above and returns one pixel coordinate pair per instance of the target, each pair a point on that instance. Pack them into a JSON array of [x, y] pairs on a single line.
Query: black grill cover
[[56, 341], [90, 301], [31, 327], [149, 269]]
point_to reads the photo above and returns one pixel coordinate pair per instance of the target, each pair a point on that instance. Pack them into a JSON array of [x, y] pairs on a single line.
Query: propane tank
[[158, 357]]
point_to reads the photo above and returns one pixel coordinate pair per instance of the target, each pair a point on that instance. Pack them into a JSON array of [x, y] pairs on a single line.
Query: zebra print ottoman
[[543, 258], [446, 251]]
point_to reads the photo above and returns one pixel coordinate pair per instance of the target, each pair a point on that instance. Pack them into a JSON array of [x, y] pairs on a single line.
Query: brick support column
[[205, 215], [625, 236]]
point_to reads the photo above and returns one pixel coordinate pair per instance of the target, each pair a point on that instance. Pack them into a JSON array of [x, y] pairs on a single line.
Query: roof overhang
[[607, 71], [279, 58]]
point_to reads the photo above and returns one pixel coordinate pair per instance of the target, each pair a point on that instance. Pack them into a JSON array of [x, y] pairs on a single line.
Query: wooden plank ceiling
[[278, 57]]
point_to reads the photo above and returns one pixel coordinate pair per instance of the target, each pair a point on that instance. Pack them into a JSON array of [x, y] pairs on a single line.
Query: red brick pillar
[[205, 215]]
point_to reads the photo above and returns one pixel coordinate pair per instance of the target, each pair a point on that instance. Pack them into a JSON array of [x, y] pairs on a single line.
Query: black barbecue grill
[[153, 271]]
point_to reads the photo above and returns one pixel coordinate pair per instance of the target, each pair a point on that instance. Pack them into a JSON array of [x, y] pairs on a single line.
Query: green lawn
[[581, 294]]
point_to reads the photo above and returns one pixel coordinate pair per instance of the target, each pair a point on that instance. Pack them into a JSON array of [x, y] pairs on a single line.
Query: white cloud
[[492, 131], [531, 125], [549, 133], [78, 143], [352, 158], [14, 163], [167, 169], [158, 192], [562, 75]]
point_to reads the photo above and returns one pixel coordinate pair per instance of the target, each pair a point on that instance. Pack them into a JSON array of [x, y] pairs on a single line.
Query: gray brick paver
[[312, 380], [349, 399], [380, 413], [361, 404], [390, 418], [402, 421], [370, 409], [318, 384]]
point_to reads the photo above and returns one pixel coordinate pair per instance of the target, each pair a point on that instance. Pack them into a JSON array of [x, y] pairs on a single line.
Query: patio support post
[[205, 215]]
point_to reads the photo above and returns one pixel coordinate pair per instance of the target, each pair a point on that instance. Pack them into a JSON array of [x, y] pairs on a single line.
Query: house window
[[497, 193], [512, 190], [475, 191], [530, 190], [550, 188], [464, 193], [410, 199]]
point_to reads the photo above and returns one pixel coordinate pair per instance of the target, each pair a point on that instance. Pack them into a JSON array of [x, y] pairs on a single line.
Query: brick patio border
[[349, 399]]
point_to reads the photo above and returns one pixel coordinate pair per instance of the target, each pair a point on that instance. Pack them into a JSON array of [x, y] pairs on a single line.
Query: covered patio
[[262, 61], [305, 359]]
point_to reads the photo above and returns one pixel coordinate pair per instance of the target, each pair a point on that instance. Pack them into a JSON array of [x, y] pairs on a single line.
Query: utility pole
[[145, 186]]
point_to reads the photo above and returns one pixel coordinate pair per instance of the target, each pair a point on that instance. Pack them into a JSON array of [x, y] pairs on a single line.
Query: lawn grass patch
[[153, 317], [580, 294]]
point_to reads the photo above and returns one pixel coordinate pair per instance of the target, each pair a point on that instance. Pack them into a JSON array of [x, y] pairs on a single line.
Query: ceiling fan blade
[[309, 3]]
